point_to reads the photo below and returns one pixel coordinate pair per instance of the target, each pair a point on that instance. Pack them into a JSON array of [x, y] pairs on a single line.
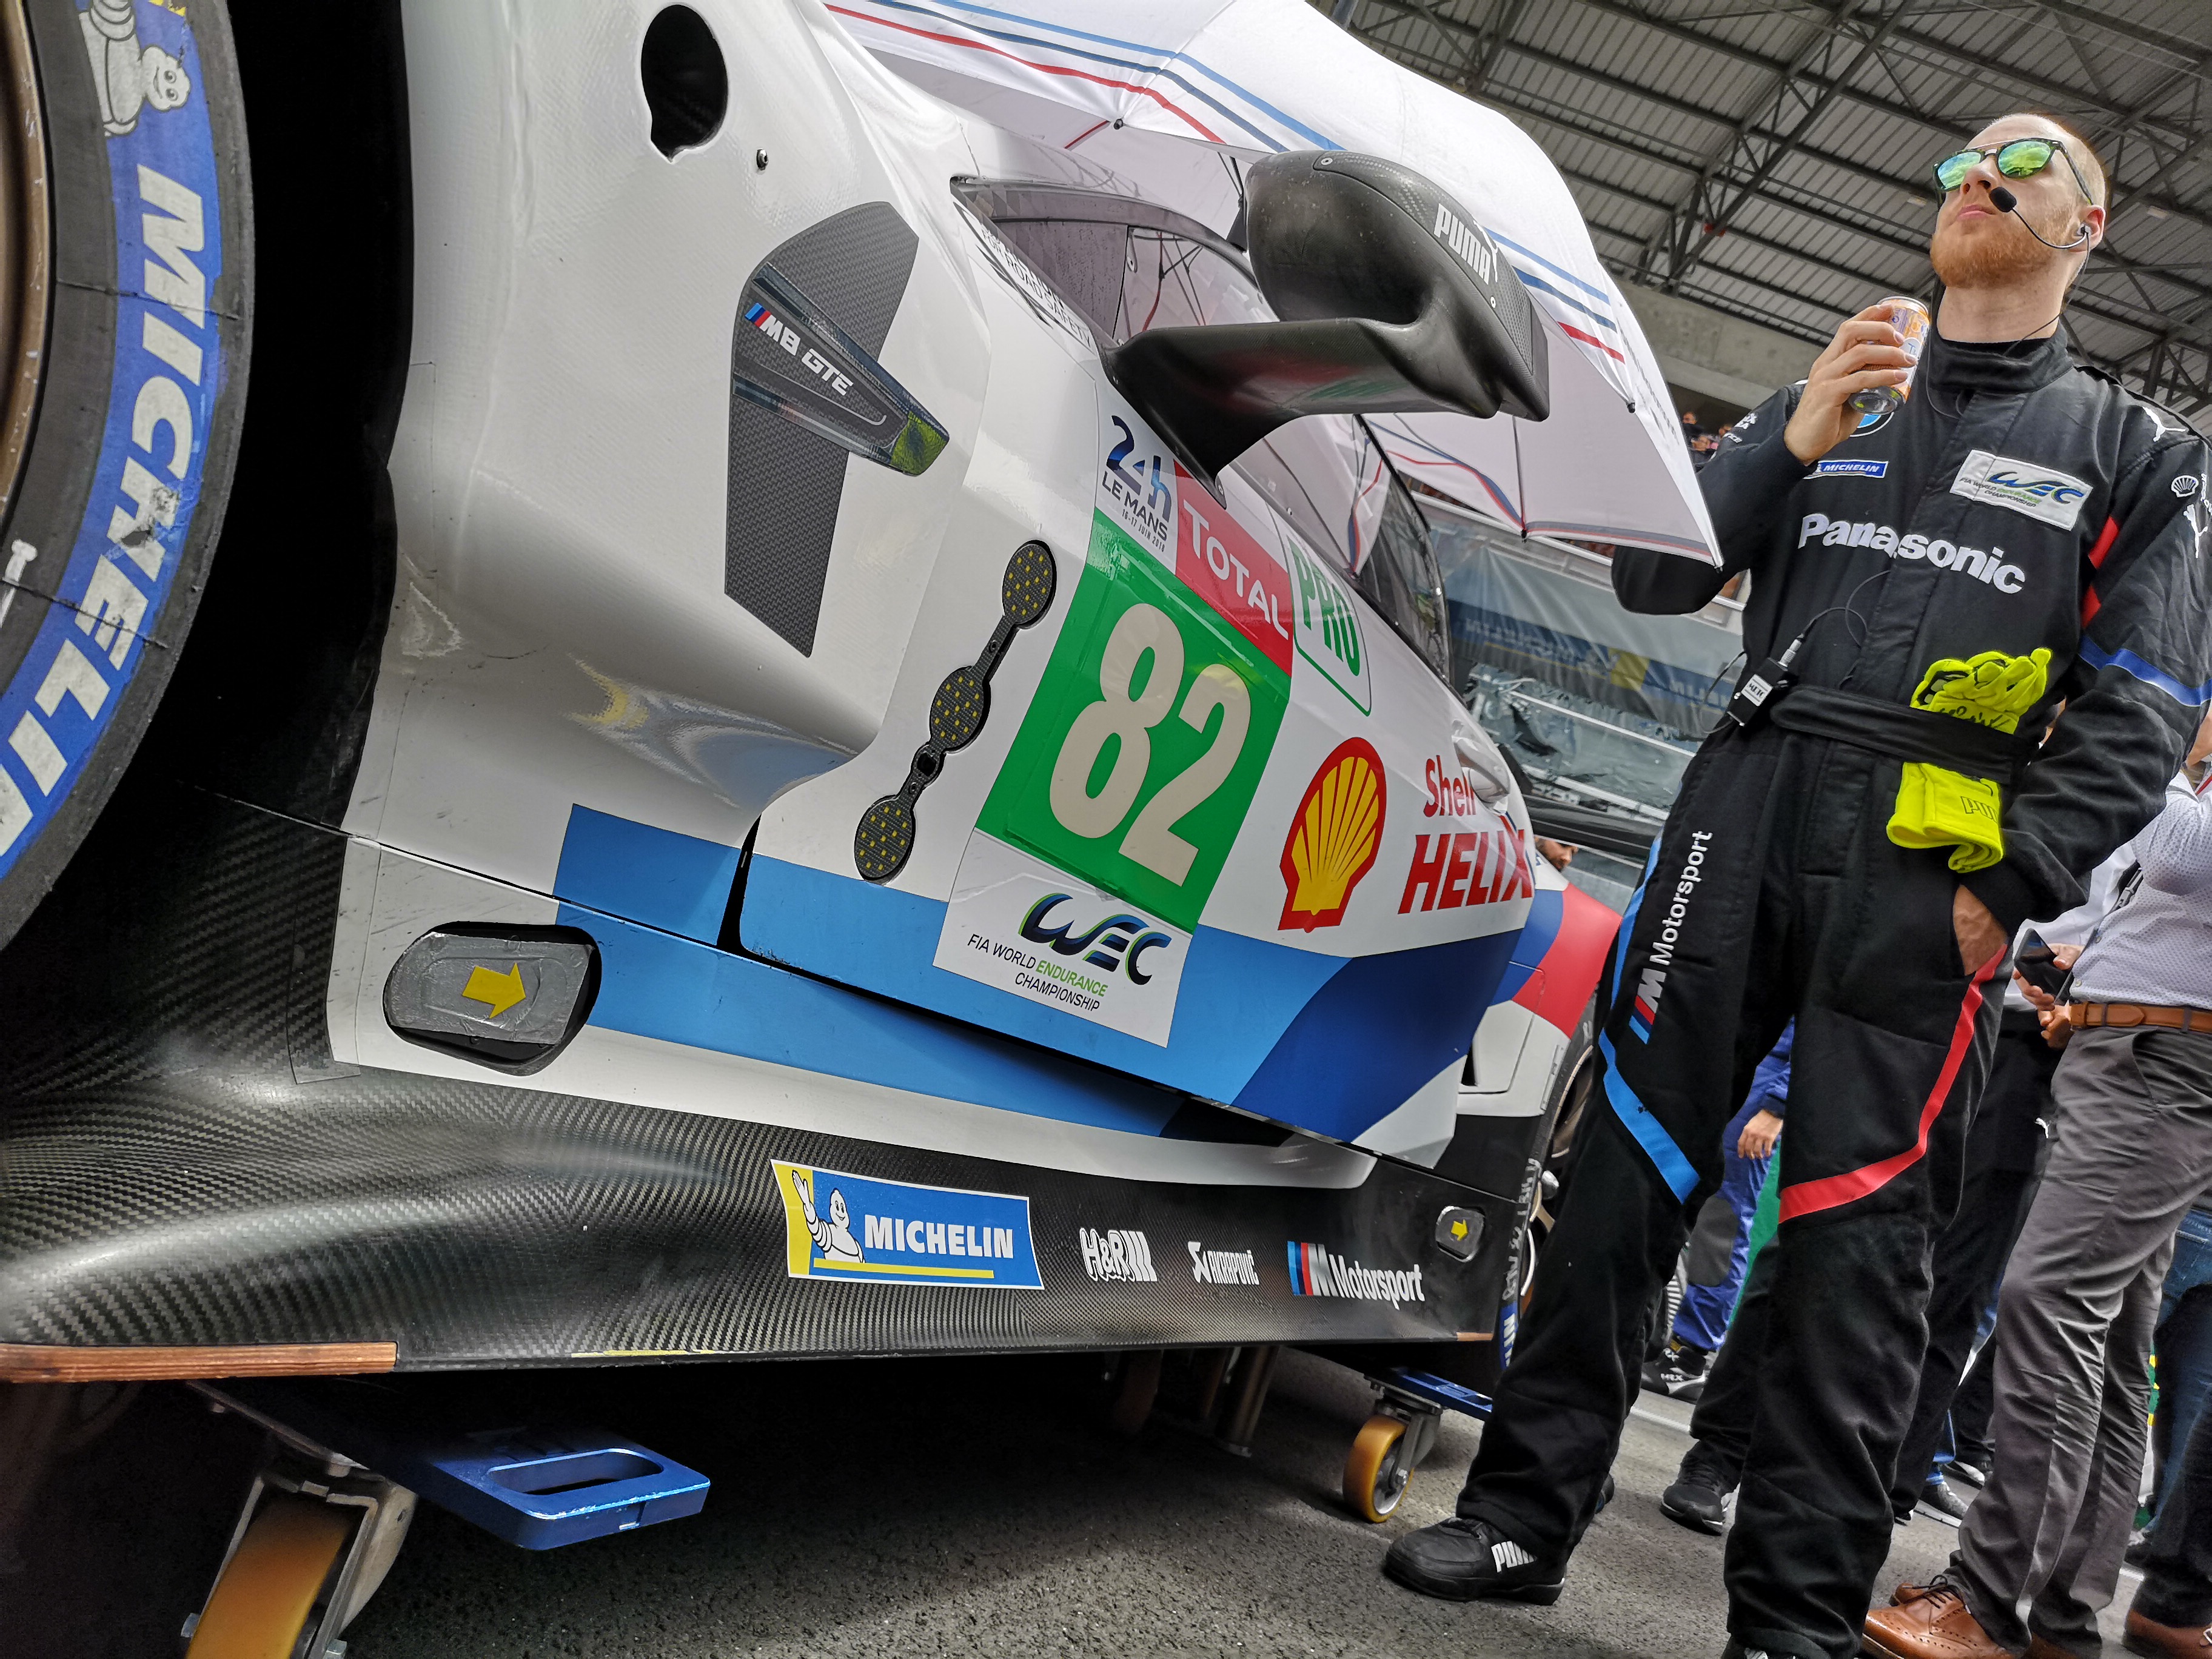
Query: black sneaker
[[1679, 1373], [1972, 1474], [1462, 1560], [1698, 1499], [1939, 1502]]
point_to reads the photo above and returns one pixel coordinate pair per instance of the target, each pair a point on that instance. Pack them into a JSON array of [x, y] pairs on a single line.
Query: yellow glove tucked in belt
[[1938, 807]]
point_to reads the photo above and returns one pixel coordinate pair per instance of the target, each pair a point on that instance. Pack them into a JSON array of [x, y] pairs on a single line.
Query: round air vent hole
[[687, 85]]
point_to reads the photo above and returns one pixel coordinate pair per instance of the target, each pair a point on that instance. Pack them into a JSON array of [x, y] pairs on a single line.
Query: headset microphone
[[2006, 202]]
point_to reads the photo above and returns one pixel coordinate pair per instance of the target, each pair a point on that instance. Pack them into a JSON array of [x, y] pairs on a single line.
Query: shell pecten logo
[[1335, 835]]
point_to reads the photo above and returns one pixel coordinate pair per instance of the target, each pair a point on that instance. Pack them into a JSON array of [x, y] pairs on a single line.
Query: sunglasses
[[2023, 158]]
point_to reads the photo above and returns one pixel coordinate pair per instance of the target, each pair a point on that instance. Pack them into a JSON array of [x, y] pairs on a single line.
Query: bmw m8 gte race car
[[754, 680]]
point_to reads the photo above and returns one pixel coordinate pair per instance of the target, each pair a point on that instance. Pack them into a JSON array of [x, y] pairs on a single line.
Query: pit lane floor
[[904, 1507]]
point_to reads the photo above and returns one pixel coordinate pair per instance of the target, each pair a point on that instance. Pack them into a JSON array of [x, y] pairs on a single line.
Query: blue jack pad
[[534, 1486], [1440, 1393]]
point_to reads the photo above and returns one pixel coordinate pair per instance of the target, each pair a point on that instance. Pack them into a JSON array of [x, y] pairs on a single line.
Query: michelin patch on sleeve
[[1016, 923], [847, 1226]]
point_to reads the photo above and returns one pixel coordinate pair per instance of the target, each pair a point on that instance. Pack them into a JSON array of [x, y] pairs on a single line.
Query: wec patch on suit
[[2040, 492]]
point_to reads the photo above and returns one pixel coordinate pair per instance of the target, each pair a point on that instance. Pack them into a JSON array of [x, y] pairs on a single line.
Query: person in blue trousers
[[1720, 1244]]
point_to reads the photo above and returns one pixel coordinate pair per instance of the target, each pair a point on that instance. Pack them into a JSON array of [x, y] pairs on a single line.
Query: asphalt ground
[[896, 1507]]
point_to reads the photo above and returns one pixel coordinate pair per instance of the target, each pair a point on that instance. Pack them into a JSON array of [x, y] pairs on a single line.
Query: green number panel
[[1138, 757]]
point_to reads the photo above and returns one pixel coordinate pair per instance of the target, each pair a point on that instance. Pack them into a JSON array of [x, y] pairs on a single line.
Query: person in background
[[1720, 1244], [2006, 1143], [2040, 1552], [2183, 1342], [1692, 428]]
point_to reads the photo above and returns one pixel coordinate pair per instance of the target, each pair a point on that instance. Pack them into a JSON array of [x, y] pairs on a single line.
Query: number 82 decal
[[1138, 756]]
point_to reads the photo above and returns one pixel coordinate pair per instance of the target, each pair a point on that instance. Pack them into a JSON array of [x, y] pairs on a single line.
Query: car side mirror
[[1392, 299]]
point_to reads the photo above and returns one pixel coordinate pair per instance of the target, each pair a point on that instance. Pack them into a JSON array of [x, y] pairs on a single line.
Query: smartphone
[[2038, 964]]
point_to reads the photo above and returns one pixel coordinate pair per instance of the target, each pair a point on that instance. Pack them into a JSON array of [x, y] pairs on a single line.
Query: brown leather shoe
[[2042, 1647], [2166, 1641], [1930, 1621]]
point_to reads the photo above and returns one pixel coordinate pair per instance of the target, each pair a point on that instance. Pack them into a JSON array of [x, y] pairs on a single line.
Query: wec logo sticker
[[2038, 492]]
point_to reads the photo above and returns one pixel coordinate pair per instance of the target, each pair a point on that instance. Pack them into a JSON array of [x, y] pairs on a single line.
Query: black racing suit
[[2014, 501]]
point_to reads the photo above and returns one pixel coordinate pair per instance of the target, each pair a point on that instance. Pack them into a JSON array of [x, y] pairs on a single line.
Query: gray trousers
[[2040, 1549]]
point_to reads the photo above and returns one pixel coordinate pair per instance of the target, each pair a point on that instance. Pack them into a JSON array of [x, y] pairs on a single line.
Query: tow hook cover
[[506, 997], [1459, 1232]]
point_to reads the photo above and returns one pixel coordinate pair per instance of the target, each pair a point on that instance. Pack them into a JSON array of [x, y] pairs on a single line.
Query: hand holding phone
[[2042, 965]]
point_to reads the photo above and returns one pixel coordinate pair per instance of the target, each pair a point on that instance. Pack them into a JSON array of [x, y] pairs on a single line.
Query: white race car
[[772, 715]]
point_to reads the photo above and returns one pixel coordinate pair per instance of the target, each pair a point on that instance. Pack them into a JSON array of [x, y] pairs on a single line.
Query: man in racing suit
[[2014, 504]]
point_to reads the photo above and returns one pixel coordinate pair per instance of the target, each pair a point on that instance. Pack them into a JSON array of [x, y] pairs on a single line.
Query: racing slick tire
[[1377, 1469], [126, 282], [1573, 1088]]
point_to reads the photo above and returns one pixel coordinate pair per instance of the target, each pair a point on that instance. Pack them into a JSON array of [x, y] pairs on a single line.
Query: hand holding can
[[1866, 354], [1912, 321]]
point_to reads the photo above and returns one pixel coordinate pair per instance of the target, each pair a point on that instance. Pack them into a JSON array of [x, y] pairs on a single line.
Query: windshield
[[1600, 709], [1127, 266]]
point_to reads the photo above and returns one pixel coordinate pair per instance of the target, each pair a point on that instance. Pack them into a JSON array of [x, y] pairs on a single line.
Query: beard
[[1980, 254]]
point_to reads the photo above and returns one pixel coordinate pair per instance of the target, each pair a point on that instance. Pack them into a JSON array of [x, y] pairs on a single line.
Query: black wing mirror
[[1392, 300]]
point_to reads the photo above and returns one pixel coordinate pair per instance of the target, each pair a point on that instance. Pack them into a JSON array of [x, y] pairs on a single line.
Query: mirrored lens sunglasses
[[2023, 158]]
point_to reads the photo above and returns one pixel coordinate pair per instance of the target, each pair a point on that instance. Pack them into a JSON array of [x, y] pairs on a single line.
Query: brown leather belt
[[2082, 1015]]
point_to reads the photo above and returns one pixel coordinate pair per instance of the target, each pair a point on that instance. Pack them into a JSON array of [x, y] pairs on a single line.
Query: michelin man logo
[[128, 77], [833, 1236]]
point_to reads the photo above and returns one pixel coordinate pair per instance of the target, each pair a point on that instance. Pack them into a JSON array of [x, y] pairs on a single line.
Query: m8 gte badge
[[1335, 836], [790, 359]]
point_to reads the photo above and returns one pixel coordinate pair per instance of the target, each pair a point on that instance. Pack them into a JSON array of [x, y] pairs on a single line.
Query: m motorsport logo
[[1651, 983], [1315, 1272]]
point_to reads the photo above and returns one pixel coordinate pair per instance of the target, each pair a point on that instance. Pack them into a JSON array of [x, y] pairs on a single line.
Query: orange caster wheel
[[268, 1588], [1376, 1474]]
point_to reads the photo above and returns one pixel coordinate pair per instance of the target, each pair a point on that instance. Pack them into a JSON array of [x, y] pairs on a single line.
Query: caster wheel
[[270, 1584], [1376, 1474]]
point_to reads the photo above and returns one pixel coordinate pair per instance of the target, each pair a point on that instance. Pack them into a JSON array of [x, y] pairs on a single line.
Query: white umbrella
[[1161, 93]]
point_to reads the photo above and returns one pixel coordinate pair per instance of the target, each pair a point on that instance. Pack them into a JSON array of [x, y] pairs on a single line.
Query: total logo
[[1218, 560], [1116, 943], [786, 336], [1315, 1272], [1117, 1256], [1335, 835]]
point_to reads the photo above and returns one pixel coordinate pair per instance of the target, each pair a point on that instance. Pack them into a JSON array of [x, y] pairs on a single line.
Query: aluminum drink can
[[1912, 321]]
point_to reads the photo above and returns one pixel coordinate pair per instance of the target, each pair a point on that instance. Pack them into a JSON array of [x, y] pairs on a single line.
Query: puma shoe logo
[[1507, 1553]]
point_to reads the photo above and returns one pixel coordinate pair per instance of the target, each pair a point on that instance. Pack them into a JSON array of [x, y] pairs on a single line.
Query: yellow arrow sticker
[[499, 991]]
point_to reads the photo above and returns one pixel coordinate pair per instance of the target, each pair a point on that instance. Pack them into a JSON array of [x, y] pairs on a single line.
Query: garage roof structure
[[1772, 161]]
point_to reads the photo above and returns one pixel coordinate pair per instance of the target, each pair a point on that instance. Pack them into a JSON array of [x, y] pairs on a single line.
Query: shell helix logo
[[1335, 835]]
